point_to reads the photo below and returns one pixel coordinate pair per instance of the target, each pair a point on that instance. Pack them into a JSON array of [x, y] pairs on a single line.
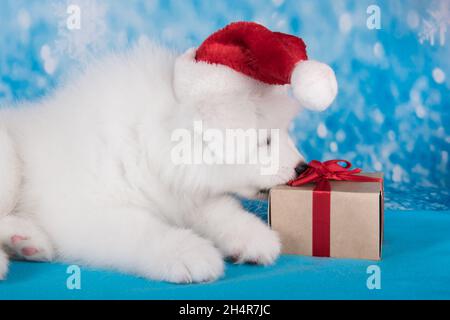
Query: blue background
[[392, 112], [391, 115]]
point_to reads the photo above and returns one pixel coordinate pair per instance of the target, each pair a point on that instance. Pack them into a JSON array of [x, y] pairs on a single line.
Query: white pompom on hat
[[314, 84]]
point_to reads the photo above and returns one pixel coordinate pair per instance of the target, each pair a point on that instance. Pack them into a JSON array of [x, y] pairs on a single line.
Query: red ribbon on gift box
[[321, 174]]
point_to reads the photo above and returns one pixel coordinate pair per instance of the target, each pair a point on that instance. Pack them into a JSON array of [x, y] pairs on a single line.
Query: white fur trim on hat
[[200, 81]]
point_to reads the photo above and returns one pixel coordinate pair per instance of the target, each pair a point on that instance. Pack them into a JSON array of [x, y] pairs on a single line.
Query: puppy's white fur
[[88, 171]]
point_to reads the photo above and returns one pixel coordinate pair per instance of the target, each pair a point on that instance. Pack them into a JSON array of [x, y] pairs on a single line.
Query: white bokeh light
[[345, 23], [322, 130], [24, 19], [438, 75]]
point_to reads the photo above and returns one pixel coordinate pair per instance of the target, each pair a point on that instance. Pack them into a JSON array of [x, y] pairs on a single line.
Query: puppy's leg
[[3, 264], [134, 241], [239, 234], [9, 173], [9, 187], [22, 239]]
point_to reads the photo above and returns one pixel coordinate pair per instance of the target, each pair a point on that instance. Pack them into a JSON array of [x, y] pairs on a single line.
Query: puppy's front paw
[[258, 244], [190, 258]]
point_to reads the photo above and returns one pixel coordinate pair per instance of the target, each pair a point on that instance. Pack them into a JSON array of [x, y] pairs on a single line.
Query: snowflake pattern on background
[[393, 110], [435, 27]]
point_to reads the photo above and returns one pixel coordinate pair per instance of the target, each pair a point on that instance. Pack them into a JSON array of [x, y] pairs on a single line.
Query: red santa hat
[[272, 58]]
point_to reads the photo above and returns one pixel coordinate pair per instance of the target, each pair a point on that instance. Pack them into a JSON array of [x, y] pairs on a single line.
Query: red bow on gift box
[[321, 174]]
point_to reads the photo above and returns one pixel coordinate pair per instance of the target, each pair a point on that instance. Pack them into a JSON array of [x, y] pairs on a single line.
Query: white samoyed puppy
[[90, 174]]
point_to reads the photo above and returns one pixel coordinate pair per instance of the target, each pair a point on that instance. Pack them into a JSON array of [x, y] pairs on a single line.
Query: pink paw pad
[[29, 251], [15, 239]]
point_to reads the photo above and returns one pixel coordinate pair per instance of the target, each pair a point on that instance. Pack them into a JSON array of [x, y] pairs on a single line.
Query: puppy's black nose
[[301, 167]]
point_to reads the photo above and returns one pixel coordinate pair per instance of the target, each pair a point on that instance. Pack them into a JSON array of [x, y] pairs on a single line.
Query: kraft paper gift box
[[343, 221]]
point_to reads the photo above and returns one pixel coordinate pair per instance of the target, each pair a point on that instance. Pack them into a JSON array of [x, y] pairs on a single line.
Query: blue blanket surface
[[416, 264]]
